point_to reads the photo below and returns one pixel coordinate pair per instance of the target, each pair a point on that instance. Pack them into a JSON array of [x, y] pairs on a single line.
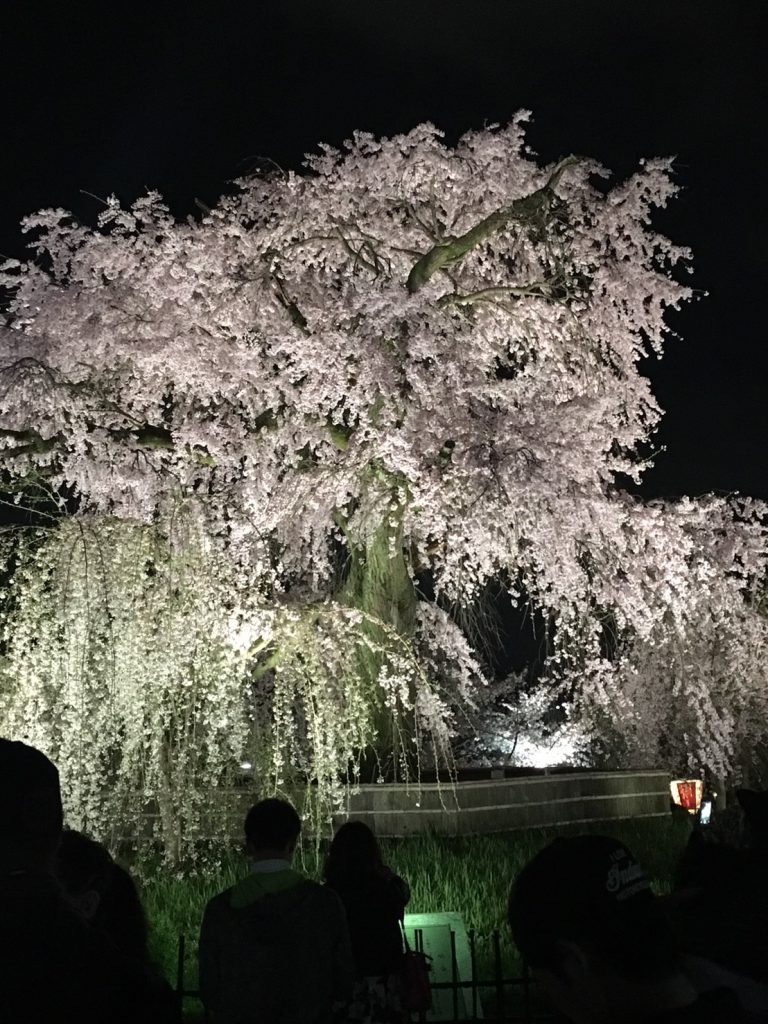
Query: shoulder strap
[[402, 930]]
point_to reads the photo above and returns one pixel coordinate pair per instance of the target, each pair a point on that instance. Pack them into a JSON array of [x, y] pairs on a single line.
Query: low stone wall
[[476, 806], [506, 804]]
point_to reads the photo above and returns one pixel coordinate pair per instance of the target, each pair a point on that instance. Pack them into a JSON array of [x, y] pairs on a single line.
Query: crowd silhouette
[[279, 948]]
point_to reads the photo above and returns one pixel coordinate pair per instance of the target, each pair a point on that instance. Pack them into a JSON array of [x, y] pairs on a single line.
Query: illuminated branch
[[524, 209], [346, 241], [366, 256], [297, 317], [149, 436], [538, 289], [146, 436], [31, 442]]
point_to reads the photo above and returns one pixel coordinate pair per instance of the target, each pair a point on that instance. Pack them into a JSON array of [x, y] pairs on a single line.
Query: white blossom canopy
[[437, 346], [451, 333]]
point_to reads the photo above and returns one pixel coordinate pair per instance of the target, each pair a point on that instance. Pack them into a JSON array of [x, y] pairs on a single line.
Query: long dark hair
[[353, 856], [85, 864], [122, 916]]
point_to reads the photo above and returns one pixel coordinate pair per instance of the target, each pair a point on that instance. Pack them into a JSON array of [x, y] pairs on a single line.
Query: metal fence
[[492, 1000]]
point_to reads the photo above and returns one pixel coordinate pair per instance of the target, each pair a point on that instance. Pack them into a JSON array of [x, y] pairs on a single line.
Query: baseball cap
[[589, 889]]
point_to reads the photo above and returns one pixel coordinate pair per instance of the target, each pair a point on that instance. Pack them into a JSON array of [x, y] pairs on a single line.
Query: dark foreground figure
[[374, 899], [275, 947], [54, 966], [720, 900], [106, 896], [584, 917]]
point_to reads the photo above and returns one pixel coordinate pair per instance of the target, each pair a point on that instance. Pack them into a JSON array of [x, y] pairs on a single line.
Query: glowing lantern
[[687, 793]]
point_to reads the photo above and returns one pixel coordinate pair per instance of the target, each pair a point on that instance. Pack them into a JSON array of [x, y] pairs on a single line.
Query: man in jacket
[[275, 946]]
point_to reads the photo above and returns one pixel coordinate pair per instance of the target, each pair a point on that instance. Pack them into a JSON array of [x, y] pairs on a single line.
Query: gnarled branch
[[297, 317], [537, 289], [523, 209], [31, 442]]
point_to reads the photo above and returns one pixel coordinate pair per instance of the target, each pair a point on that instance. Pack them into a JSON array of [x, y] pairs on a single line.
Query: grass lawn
[[469, 875]]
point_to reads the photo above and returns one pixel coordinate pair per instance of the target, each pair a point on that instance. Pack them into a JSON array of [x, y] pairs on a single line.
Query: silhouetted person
[[719, 906], [53, 965], [374, 899], [84, 870], [585, 919], [754, 804], [274, 947], [106, 895]]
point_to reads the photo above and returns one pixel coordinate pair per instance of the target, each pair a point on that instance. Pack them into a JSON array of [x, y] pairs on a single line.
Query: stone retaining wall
[[476, 806], [503, 805]]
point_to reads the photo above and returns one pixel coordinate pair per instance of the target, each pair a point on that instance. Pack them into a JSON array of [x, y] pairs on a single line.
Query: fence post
[[499, 977], [454, 976], [473, 968], [418, 944], [180, 972], [526, 991]]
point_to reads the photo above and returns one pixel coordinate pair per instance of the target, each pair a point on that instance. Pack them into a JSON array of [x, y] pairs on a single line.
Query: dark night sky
[[183, 97]]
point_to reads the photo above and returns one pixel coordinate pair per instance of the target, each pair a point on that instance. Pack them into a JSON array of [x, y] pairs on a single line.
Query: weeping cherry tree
[[264, 427]]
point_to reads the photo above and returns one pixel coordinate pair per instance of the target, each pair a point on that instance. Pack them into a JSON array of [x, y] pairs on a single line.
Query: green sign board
[[434, 937]]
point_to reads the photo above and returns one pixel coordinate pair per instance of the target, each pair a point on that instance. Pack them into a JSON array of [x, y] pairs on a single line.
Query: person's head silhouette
[[353, 856], [585, 919], [272, 829], [31, 815]]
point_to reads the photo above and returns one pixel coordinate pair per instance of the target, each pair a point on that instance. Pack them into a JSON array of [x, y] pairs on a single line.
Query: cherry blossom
[[409, 358]]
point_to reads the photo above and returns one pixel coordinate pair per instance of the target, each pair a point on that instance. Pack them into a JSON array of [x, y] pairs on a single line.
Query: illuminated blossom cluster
[[146, 666], [410, 359], [314, 351], [120, 663]]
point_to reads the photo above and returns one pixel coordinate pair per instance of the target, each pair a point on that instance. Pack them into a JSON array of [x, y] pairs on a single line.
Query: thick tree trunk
[[380, 585]]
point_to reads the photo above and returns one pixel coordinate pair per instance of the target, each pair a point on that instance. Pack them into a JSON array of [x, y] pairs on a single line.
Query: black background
[[185, 96]]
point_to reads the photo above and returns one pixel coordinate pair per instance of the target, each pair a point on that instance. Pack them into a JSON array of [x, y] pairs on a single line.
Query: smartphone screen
[[705, 812]]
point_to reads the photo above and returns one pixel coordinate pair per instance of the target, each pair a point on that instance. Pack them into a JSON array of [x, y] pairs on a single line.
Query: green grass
[[469, 875]]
